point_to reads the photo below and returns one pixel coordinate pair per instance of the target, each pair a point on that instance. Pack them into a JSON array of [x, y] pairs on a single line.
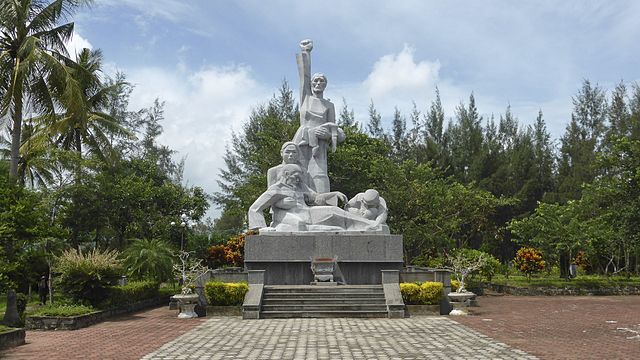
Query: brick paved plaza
[[562, 327], [503, 327]]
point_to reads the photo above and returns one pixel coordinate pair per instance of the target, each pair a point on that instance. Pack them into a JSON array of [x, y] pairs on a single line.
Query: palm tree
[[149, 259], [36, 166], [84, 120], [32, 44]]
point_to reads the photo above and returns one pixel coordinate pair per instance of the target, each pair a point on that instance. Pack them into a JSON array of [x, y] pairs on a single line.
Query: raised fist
[[306, 45]]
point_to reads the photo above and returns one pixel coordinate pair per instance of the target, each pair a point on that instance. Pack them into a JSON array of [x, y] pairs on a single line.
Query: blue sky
[[211, 61]]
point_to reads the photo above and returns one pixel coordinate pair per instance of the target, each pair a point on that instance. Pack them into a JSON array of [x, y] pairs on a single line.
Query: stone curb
[[552, 291], [12, 338], [214, 310]]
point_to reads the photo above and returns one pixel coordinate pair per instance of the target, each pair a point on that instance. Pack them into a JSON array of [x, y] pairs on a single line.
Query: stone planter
[[460, 302], [12, 338], [188, 304]]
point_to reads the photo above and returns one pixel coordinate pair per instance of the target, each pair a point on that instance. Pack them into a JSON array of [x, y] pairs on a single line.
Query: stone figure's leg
[[334, 216], [317, 168], [313, 142], [291, 222], [321, 183]]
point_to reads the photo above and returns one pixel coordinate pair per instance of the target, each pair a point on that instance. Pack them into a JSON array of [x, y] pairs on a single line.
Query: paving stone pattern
[[419, 337]]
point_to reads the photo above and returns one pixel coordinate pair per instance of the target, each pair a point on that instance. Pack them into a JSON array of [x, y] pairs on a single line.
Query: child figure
[[313, 139]]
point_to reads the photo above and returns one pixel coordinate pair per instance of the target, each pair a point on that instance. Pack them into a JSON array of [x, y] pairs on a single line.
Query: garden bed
[[81, 321], [569, 289], [11, 337]]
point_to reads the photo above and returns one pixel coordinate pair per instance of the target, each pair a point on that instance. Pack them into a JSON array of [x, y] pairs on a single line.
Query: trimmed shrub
[[431, 292], [62, 310], [427, 293], [455, 285], [86, 278], [529, 261], [133, 292], [219, 293], [410, 293]]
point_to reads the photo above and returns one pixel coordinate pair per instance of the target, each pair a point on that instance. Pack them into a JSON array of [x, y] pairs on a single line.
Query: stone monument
[[307, 220]]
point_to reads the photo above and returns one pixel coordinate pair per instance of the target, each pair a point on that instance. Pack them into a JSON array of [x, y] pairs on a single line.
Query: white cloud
[[400, 73], [398, 80], [202, 108], [76, 44]]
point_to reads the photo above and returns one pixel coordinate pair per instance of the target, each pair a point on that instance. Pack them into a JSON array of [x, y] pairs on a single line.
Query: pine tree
[[634, 110], [582, 141], [347, 117], [544, 164], [465, 136], [619, 116], [435, 120], [399, 140], [374, 126]]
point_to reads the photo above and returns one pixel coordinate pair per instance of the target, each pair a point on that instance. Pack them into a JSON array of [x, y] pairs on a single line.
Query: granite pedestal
[[286, 257]]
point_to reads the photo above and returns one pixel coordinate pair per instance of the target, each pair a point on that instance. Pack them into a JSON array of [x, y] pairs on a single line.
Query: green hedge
[[219, 293], [133, 292], [62, 310], [426, 293]]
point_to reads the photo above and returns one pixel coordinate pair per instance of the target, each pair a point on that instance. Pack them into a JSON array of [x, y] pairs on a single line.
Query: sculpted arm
[[304, 68], [264, 201], [382, 216]]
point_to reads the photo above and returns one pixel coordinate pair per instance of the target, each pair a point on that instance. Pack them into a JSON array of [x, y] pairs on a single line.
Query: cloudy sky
[[212, 61]]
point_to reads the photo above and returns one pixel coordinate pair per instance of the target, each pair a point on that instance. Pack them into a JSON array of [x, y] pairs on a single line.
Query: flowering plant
[[529, 261]]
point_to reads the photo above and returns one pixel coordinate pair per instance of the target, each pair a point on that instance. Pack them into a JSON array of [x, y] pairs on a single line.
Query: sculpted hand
[[322, 133], [306, 45], [286, 203]]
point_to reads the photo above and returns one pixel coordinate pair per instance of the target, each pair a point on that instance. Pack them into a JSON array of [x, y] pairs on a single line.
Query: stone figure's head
[[291, 174], [290, 153], [371, 198], [318, 83]]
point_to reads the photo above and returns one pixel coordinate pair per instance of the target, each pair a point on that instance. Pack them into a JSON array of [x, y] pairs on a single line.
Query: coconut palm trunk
[[17, 129]]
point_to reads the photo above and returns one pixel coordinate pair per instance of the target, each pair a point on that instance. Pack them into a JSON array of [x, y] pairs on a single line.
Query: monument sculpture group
[[298, 191], [308, 220]]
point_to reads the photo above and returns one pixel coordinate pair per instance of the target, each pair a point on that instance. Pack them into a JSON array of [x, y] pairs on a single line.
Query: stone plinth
[[286, 257]]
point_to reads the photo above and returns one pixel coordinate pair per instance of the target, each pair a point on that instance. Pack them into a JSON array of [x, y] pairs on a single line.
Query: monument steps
[[307, 301], [325, 307], [320, 300], [323, 314]]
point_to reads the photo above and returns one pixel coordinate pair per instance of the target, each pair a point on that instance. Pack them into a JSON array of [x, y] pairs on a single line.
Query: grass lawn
[[4, 329], [581, 281]]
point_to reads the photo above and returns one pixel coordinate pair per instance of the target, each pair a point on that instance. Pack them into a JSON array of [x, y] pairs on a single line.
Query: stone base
[[324, 283], [188, 312], [287, 257]]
